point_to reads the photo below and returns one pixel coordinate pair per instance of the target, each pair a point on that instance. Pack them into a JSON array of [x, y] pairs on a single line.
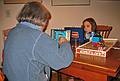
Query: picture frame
[[70, 2], [18, 1]]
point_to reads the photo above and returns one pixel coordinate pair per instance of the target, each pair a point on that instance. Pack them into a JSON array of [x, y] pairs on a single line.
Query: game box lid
[[89, 49]]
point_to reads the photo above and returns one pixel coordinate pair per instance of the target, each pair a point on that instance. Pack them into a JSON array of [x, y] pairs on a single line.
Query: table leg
[[59, 75]]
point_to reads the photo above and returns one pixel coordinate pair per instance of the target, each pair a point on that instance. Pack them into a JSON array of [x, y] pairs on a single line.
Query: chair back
[[104, 30]]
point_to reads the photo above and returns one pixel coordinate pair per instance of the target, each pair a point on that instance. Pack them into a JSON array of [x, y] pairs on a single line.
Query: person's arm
[[57, 58]]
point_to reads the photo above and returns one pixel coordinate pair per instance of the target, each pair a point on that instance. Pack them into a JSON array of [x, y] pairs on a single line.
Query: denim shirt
[[29, 54]]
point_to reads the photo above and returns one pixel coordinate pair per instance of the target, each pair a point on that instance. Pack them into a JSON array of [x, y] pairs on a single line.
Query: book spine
[[68, 35], [52, 33]]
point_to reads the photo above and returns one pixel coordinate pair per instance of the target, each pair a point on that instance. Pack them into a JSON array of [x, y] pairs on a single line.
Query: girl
[[89, 25]]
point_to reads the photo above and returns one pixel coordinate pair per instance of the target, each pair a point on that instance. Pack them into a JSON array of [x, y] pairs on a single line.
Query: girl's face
[[87, 27]]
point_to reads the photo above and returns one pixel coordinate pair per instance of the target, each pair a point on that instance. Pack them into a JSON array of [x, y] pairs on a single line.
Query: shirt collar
[[31, 25]]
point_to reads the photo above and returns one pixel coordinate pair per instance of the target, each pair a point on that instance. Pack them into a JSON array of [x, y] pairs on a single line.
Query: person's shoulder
[[45, 35]]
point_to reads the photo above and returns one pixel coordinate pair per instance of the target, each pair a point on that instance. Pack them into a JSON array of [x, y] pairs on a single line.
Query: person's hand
[[62, 40]]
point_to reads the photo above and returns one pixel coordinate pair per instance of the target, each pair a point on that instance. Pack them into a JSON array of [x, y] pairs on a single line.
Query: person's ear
[[44, 25]]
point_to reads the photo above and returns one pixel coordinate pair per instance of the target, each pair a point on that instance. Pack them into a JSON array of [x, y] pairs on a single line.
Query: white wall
[[104, 12]]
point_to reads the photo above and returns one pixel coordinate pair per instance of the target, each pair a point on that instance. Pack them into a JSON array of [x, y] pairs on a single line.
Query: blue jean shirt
[[29, 54]]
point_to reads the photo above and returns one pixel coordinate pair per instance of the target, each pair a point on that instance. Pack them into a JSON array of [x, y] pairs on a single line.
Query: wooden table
[[92, 68]]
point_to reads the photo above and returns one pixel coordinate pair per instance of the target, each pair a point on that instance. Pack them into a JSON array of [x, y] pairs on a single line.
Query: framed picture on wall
[[18, 1], [69, 2]]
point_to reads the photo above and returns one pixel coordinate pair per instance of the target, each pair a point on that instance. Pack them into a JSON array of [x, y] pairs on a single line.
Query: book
[[78, 33], [56, 33]]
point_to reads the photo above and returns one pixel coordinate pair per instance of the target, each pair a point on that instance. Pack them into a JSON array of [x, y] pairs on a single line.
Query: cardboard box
[[89, 49]]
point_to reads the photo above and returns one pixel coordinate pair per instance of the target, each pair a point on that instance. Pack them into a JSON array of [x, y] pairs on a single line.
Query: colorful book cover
[[56, 33], [76, 33]]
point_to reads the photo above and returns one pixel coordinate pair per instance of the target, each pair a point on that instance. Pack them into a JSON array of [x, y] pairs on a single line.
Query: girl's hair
[[92, 22], [34, 12]]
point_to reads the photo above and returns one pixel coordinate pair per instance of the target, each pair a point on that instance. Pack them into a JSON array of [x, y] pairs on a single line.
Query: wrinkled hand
[[62, 40]]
